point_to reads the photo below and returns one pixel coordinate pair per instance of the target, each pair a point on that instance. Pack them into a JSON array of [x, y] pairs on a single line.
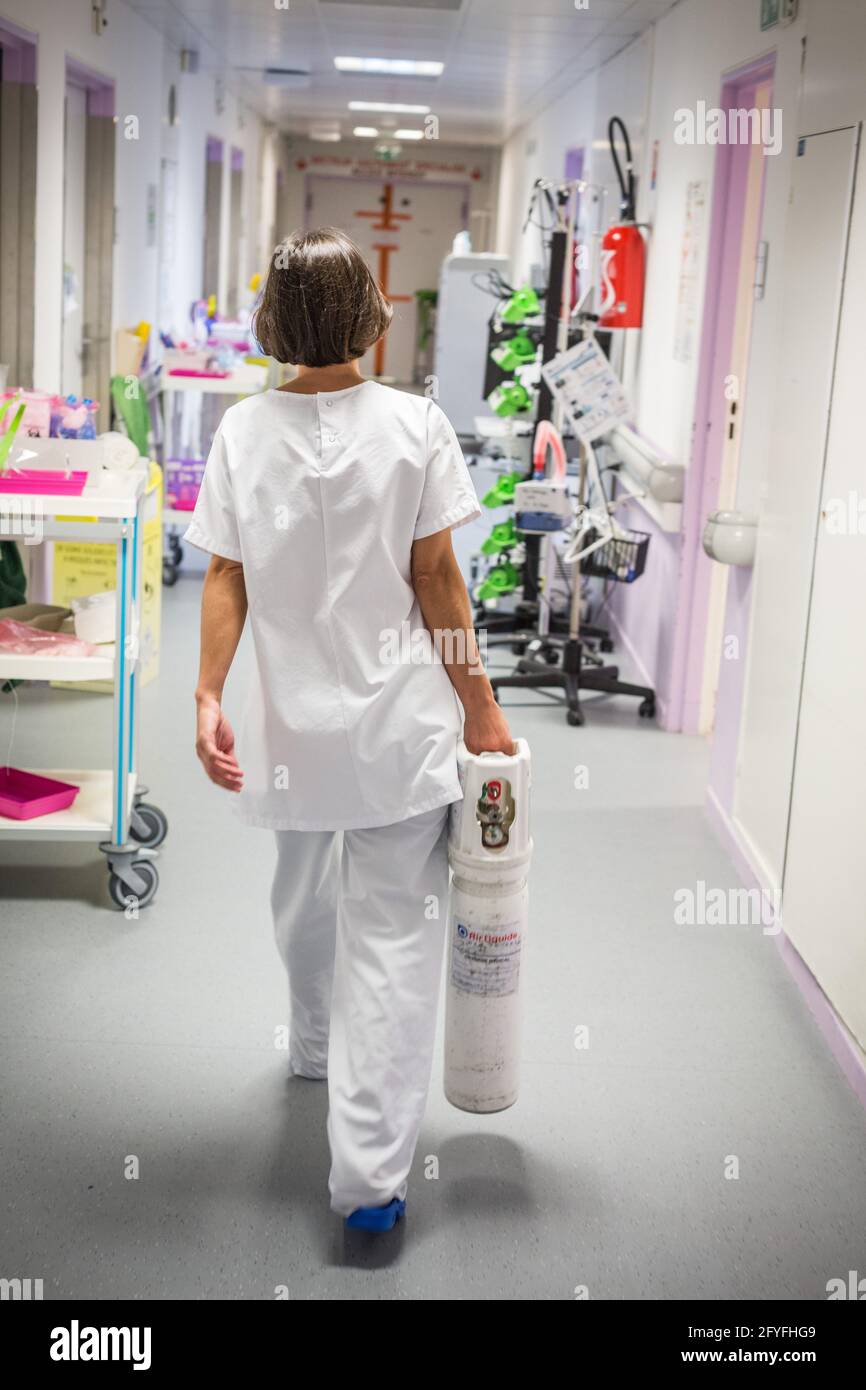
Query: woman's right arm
[[441, 592], [223, 614]]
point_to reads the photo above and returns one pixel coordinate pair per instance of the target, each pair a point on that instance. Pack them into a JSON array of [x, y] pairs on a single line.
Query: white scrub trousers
[[360, 920]]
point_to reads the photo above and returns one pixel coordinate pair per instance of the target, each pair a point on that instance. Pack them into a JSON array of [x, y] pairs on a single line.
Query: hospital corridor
[[432, 664]]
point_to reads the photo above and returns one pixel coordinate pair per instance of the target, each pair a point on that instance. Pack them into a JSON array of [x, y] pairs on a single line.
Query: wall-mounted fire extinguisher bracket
[[623, 251], [490, 848]]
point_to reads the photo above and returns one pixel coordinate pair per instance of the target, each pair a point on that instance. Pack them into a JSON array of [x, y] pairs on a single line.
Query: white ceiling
[[504, 59]]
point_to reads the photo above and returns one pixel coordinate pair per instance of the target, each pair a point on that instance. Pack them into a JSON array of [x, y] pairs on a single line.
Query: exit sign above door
[[774, 12]]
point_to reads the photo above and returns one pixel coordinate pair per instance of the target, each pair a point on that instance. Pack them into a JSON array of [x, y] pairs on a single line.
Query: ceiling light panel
[[395, 106], [400, 4], [391, 67]]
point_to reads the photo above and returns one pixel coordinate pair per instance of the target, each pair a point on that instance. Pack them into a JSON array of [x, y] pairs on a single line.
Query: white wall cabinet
[[824, 895], [814, 271]]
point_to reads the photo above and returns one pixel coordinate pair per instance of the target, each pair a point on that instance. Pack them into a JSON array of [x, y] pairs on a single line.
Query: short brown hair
[[320, 305]]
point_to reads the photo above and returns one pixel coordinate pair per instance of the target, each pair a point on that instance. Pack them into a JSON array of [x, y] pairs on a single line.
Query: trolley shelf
[[243, 381], [110, 807], [88, 818], [57, 668]]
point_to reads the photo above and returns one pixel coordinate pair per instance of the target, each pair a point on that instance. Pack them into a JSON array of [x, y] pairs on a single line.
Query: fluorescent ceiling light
[[324, 132], [409, 134], [389, 106], [365, 130], [393, 67]]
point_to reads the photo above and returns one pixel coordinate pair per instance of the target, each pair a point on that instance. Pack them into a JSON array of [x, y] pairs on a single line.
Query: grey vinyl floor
[[153, 1039]]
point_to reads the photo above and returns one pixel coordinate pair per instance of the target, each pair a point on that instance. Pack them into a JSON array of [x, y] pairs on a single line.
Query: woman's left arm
[[223, 614]]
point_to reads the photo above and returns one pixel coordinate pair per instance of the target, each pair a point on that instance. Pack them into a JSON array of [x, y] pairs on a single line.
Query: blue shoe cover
[[377, 1218]]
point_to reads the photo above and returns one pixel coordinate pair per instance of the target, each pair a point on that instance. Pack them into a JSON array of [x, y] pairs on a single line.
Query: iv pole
[[533, 671]]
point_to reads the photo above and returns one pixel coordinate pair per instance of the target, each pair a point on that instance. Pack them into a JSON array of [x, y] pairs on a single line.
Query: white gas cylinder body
[[489, 847]]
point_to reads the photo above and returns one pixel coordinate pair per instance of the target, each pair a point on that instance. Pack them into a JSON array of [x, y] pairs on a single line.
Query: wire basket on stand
[[622, 558]]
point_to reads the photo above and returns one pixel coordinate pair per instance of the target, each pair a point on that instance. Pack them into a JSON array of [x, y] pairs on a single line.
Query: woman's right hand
[[215, 745], [486, 730]]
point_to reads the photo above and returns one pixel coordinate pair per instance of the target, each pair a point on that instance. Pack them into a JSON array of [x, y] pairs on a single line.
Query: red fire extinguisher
[[623, 255]]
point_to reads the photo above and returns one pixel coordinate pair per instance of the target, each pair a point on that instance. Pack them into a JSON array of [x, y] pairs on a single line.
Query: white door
[[824, 897], [816, 240], [405, 230]]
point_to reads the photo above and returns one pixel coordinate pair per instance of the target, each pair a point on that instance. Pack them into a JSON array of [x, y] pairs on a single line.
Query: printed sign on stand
[[588, 389]]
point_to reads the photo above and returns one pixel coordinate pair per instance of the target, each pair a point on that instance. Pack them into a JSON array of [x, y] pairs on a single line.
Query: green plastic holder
[[514, 352], [502, 492], [509, 398], [498, 582], [523, 304], [502, 537]]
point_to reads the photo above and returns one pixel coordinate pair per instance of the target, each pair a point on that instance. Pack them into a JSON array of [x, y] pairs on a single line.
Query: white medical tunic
[[351, 720]]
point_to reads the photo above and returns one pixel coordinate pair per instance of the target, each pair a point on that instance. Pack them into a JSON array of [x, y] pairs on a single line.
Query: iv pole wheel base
[[576, 717], [123, 896], [148, 825], [647, 708]]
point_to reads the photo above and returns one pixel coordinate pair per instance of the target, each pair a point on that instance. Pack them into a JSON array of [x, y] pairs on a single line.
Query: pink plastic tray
[[26, 795], [189, 371], [43, 480]]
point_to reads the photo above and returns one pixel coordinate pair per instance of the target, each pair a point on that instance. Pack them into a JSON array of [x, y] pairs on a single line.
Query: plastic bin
[[26, 795]]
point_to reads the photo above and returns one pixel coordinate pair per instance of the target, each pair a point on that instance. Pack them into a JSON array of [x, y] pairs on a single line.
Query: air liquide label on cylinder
[[486, 961]]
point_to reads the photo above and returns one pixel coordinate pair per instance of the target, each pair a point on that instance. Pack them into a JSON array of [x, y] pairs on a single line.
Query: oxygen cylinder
[[489, 847]]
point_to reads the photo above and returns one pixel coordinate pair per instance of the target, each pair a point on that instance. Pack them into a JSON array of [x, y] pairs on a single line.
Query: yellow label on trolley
[[82, 567]]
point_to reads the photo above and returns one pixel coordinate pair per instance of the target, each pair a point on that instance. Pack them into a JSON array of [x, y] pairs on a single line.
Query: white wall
[[132, 53], [199, 96], [535, 151]]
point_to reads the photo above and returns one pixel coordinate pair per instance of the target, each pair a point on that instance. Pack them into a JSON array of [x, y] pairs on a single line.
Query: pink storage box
[[26, 795], [182, 483], [36, 420], [44, 481]]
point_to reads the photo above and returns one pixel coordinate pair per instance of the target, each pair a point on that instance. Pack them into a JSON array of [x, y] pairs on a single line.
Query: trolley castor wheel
[[169, 573], [575, 717], [647, 708], [123, 895], [606, 645], [148, 825], [518, 648]]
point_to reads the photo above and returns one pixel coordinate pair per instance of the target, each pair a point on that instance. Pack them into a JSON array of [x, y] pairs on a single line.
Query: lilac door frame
[[730, 181], [19, 53], [99, 89]]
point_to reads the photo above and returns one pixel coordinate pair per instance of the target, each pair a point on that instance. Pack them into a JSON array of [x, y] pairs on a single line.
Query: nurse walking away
[[327, 506]]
